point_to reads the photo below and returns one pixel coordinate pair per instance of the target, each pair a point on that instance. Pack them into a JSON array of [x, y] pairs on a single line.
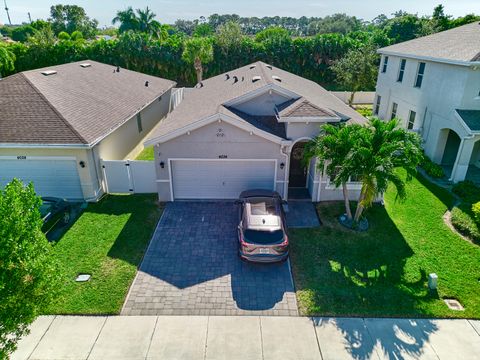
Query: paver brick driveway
[[192, 268]]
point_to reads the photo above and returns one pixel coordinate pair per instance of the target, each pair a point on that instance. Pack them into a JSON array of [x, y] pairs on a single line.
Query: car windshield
[[263, 237]]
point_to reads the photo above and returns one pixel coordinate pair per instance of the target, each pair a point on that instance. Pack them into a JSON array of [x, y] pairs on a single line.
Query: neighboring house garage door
[[50, 177], [220, 179]]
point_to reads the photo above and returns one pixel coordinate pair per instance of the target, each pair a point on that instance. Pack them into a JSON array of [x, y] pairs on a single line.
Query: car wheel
[[66, 218]]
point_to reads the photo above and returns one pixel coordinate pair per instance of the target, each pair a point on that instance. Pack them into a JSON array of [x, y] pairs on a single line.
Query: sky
[[169, 10]]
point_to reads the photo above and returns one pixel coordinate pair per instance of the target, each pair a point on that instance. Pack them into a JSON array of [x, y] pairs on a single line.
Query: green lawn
[[384, 271], [108, 241], [146, 154]]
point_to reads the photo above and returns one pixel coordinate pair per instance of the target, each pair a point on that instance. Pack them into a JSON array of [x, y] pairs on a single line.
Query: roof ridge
[[54, 109]]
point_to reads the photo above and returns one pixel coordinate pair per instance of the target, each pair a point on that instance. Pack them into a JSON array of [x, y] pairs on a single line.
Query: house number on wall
[[220, 132]]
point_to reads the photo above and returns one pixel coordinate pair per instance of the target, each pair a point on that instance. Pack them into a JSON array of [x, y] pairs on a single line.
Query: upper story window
[[401, 71], [394, 111], [139, 122], [377, 105], [385, 64], [411, 120], [419, 77]]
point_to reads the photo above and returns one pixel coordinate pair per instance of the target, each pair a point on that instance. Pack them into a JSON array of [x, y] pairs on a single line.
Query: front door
[[298, 169]]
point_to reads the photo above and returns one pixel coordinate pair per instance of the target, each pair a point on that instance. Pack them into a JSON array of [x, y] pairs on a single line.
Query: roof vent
[[85, 65], [243, 78], [49, 72], [118, 68], [278, 78], [269, 66], [146, 83], [253, 66], [256, 78], [199, 85], [227, 77], [235, 79]]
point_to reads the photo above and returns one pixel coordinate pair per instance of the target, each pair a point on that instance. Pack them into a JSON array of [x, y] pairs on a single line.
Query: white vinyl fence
[[129, 176], [360, 98]]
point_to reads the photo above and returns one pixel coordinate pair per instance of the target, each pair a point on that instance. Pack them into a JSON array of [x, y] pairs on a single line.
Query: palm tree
[[198, 51], [147, 22], [333, 147], [380, 149], [7, 60], [128, 20]]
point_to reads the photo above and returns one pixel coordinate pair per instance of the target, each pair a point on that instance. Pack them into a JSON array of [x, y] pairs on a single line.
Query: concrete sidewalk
[[245, 337]]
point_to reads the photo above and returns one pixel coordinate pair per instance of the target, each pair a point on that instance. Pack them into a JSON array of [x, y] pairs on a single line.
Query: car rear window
[[262, 206], [263, 237]]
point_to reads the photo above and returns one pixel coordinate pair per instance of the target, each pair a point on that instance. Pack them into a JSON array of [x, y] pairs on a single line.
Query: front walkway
[[263, 338], [192, 267]]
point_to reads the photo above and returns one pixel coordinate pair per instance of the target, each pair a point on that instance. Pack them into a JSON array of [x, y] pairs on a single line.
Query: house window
[[401, 71], [420, 72], [377, 105], [139, 122], [385, 64], [394, 111], [411, 120]]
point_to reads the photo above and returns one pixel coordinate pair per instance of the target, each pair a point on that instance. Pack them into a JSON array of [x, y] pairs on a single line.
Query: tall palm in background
[[198, 51], [142, 21]]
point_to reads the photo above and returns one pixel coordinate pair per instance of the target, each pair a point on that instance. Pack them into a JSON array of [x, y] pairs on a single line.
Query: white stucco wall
[[302, 130], [263, 104], [126, 140], [204, 143], [445, 87]]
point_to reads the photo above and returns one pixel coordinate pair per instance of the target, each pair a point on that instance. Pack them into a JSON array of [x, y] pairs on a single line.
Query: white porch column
[[462, 162]]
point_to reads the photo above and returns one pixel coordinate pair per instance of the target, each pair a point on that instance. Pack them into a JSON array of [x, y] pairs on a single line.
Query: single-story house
[[56, 124], [246, 129]]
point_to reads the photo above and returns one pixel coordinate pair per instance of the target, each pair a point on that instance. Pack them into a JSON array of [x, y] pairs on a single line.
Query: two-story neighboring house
[[433, 85], [247, 129]]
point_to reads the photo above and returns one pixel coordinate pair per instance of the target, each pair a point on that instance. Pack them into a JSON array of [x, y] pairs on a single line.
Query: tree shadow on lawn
[[339, 272]]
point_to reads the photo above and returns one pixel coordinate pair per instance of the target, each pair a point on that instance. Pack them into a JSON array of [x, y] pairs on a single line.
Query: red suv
[[262, 231]]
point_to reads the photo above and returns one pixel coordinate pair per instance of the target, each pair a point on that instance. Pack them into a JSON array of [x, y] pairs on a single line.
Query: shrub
[[364, 111], [462, 220], [28, 271], [433, 170], [76, 35], [467, 191], [476, 212], [63, 35]]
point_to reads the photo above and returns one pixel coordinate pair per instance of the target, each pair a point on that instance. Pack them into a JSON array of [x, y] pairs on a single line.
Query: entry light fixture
[[162, 165], [282, 165], [81, 164]]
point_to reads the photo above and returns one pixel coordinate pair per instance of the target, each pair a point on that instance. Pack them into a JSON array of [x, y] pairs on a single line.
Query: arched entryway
[[451, 148], [297, 180]]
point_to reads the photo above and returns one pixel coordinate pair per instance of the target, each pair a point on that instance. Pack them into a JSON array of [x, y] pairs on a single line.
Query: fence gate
[[129, 176]]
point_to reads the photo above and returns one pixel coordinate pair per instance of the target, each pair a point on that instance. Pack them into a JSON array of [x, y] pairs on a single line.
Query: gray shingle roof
[[209, 99], [460, 44], [471, 118], [75, 105], [302, 108]]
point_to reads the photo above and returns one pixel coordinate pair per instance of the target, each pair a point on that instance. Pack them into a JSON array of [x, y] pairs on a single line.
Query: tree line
[[310, 47]]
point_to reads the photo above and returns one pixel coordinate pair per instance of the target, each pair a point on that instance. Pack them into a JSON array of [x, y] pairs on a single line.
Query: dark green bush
[[467, 191], [433, 170], [463, 221]]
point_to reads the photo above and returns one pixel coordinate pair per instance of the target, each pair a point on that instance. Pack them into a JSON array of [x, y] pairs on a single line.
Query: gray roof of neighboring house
[[77, 105], [471, 118], [208, 99], [461, 44]]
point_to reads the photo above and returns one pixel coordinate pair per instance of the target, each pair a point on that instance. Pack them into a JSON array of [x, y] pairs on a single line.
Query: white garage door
[[220, 179], [50, 177]]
